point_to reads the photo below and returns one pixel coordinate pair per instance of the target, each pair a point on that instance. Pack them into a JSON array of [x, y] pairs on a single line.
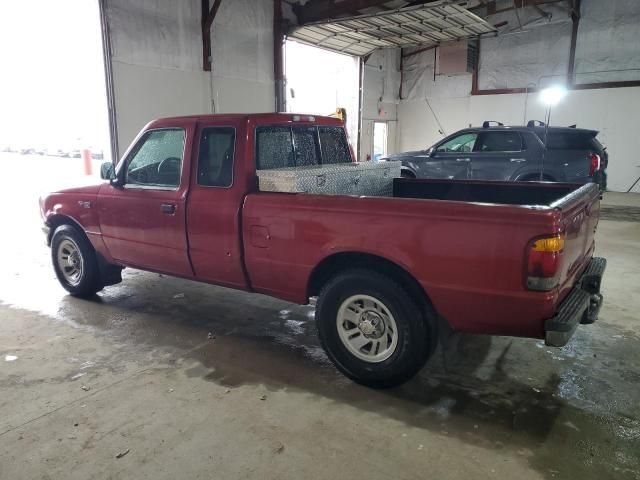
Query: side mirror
[[431, 152], [107, 171]]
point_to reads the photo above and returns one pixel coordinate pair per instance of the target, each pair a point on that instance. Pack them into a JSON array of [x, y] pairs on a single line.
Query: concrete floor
[[133, 372]]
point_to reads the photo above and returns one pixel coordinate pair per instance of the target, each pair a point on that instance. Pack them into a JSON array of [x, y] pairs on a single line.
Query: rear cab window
[[300, 146]]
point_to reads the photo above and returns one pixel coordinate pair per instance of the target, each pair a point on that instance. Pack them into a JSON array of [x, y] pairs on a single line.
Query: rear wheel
[[74, 261], [372, 330]]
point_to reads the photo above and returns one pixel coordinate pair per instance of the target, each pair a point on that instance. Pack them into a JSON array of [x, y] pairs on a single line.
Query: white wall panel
[[519, 59], [242, 57], [608, 40], [145, 93], [162, 33], [381, 82], [157, 60]]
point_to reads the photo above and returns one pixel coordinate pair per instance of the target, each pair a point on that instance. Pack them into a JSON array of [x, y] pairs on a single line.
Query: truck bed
[[465, 243], [506, 193]]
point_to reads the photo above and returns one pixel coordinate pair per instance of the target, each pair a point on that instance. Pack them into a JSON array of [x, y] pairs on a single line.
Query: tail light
[[594, 166], [544, 261]]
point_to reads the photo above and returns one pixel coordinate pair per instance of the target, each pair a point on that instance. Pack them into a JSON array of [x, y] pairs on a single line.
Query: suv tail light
[[594, 166], [543, 262]]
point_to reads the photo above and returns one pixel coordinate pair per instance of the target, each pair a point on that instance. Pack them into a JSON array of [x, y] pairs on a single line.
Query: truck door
[[218, 186], [497, 155], [143, 219], [450, 159]]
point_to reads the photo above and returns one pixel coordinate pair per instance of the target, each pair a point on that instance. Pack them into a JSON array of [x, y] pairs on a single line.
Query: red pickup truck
[[388, 272]]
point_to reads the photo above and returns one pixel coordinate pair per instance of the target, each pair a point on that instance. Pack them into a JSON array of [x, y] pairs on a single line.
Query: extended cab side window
[[215, 156], [460, 143], [333, 142], [157, 160], [499, 142]]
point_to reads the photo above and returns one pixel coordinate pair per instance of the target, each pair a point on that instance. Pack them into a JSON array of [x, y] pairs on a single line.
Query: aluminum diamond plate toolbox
[[364, 178]]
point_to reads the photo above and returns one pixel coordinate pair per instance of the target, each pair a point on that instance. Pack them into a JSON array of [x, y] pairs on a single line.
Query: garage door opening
[[52, 93], [320, 81]]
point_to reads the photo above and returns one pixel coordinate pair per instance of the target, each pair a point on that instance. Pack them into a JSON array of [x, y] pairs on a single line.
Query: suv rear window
[[570, 141]]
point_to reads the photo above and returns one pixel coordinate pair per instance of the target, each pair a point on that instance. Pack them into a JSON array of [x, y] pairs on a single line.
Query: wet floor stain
[[571, 412], [620, 213]]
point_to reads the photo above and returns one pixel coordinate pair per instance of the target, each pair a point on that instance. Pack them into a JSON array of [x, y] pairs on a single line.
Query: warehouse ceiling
[[423, 24]]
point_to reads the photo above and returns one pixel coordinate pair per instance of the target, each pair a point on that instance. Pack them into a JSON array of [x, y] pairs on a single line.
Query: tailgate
[[580, 213]]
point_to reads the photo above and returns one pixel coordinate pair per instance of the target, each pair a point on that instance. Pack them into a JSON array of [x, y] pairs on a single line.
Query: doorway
[[380, 135], [320, 81]]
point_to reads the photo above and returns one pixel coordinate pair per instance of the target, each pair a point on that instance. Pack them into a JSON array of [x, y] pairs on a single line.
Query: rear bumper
[[582, 305], [600, 177]]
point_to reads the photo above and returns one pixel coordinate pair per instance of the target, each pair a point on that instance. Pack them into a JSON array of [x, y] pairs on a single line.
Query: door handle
[[518, 160], [463, 159], [168, 208]]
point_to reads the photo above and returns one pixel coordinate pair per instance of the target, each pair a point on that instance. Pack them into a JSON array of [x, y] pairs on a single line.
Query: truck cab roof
[[270, 117]]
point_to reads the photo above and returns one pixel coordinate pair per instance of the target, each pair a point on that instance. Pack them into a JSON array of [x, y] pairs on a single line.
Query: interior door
[[450, 159], [380, 135], [143, 220], [498, 155]]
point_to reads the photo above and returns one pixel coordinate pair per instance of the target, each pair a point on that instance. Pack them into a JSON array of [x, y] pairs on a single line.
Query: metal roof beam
[[317, 10]]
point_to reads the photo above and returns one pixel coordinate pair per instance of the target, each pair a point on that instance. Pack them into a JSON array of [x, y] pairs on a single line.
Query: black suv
[[512, 153]]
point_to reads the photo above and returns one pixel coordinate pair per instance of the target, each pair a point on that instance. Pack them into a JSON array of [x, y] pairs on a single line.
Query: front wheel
[[74, 261], [372, 330]]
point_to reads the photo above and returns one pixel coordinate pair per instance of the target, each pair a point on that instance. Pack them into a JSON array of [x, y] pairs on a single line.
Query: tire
[[371, 294], [74, 261]]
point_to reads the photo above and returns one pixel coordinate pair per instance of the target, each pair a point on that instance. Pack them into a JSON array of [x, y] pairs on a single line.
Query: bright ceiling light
[[551, 96]]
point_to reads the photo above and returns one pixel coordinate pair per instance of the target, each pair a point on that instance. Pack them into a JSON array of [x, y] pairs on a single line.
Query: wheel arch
[[110, 273], [58, 219], [342, 261], [404, 170]]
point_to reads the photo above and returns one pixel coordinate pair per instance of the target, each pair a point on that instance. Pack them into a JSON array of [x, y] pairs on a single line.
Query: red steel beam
[[212, 15], [208, 16], [416, 52], [575, 18], [581, 86], [476, 68], [278, 57]]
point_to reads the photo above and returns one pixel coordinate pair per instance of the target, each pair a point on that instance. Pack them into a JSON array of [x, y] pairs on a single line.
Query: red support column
[[86, 159]]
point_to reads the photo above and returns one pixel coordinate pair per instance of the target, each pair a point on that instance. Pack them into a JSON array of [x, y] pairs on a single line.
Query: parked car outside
[[514, 153]]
